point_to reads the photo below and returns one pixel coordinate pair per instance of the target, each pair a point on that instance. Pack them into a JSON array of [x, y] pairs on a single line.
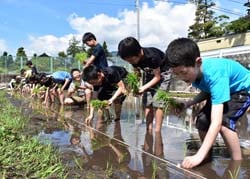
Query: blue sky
[[48, 25]]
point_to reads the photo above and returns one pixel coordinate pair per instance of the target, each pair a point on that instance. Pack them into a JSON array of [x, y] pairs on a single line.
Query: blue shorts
[[233, 110]]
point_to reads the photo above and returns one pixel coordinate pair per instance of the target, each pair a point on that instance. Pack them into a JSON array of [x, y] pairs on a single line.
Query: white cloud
[[158, 26], [49, 44], [3, 46]]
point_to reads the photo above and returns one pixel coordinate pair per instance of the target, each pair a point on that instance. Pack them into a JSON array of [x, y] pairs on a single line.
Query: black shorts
[[232, 111]]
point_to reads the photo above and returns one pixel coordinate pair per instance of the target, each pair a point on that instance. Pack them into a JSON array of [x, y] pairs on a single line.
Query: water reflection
[[155, 147], [63, 126], [226, 169]]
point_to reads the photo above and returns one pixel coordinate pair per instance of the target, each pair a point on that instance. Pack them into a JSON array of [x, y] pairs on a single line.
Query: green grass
[[24, 156]]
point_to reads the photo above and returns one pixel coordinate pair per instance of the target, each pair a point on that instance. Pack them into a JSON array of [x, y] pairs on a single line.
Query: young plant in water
[[101, 106], [164, 96], [81, 56], [98, 104], [234, 174], [109, 170], [155, 168], [132, 81]]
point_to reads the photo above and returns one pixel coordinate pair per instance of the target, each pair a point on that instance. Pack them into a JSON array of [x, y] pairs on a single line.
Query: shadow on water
[[124, 149]]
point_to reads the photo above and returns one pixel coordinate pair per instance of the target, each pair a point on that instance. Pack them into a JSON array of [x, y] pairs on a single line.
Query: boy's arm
[[88, 85], [155, 80], [91, 115], [197, 99], [46, 96], [67, 81], [119, 91], [90, 61], [214, 128]]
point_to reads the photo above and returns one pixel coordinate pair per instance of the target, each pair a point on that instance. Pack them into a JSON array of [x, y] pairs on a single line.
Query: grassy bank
[[23, 156]]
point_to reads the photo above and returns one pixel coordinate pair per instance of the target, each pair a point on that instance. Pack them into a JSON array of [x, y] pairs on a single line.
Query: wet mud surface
[[124, 149]]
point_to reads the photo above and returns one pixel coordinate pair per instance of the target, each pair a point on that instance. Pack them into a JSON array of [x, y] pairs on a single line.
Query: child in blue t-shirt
[[224, 84]]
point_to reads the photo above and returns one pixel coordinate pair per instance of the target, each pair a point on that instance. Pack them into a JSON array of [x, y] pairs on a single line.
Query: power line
[[228, 11], [109, 4], [238, 2]]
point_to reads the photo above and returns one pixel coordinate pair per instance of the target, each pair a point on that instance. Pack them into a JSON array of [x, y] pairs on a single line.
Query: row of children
[[223, 83]]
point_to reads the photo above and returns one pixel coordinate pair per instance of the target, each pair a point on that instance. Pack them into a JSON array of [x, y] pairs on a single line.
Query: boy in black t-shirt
[[157, 75], [110, 83], [98, 57], [32, 67]]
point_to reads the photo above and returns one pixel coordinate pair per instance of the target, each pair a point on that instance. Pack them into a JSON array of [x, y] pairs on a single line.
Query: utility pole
[[137, 6], [248, 5]]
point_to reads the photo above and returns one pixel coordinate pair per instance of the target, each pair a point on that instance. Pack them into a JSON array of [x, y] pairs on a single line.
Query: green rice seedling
[[77, 84], [234, 174], [24, 156], [108, 170], [99, 142], [132, 82], [102, 108], [168, 101], [78, 163], [81, 56], [185, 149], [90, 175], [98, 104], [155, 168]]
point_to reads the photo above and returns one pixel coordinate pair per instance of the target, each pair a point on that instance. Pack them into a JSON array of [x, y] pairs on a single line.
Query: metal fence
[[13, 65]]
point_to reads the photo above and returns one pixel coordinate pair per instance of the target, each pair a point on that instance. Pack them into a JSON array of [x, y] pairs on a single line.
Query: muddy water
[[124, 149]]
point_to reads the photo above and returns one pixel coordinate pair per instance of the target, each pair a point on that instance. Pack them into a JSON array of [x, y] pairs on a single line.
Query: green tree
[[6, 60], [62, 54], [74, 47], [240, 25], [206, 25], [105, 48], [9, 60], [21, 55], [3, 60]]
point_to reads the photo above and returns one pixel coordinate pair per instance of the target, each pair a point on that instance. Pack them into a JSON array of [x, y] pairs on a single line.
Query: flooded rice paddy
[[124, 149]]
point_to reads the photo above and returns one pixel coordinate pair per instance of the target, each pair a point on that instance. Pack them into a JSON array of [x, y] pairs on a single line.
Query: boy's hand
[[180, 107], [141, 90], [89, 119], [191, 161], [110, 101]]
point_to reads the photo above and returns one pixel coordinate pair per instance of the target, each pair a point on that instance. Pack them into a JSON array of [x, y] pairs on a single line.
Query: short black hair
[[129, 47], [90, 73], [182, 52], [29, 62], [74, 69], [88, 36], [46, 81]]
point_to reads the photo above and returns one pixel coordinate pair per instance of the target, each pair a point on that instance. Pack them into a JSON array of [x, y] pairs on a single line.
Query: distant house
[[235, 46], [43, 55]]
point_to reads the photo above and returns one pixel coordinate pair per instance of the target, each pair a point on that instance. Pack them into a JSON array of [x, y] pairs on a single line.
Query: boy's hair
[[129, 47], [88, 36], [46, 81], [22, 71], [29, 62], [90, 73], [73, 70], [182, 52]]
